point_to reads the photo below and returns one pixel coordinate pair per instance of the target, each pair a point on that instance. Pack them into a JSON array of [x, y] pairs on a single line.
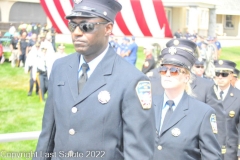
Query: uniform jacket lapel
[[98, 77], [230, 98], [178, 114], [194, 82], [158, 103], [73, 74]]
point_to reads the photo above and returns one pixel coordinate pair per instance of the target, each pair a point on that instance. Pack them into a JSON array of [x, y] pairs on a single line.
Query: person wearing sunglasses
[[235, 82], [186, 128], [198, 68], [231, 102], [99, 106]]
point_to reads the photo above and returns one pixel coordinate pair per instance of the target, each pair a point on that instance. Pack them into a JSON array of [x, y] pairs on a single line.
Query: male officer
[[131, 53], [198, 68], [231, 103], [202, 89], [186, 127], [86, 113], [235, 81]]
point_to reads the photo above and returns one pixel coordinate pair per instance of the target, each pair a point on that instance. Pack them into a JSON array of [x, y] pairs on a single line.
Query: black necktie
[[83, 78], [221, 95], [170, 103]]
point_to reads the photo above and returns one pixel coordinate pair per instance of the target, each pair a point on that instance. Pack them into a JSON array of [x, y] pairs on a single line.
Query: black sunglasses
[[199, 66], [85, 27], [222, 74], [173, 71]]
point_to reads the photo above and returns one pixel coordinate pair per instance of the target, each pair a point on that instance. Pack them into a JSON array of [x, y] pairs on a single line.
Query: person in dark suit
[[202, 89], [95, 109], [231, 103], [186, 128]]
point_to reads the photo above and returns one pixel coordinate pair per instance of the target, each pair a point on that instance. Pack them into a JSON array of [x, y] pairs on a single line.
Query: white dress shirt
[[225, 91], [93, 64], [165, 106]]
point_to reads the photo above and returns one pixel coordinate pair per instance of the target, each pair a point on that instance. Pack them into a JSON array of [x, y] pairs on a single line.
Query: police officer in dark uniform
[[86, 113], [235, 77], [202, 89], [231, 103], [186, 127], [149, 62], [23, 47]]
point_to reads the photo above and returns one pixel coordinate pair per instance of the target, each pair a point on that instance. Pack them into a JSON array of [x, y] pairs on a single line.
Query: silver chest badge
[[104, 97], [176, 132]]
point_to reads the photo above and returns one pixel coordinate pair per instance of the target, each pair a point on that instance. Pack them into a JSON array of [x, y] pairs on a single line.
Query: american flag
[[141, 18]]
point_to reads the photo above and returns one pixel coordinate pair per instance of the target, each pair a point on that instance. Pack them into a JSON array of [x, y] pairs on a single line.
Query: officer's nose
[[78, 31]]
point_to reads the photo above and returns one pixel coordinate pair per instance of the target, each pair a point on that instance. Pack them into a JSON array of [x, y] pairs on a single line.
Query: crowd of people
[[33, 48]]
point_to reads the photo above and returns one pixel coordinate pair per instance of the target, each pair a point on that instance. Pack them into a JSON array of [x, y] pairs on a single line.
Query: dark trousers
[[43, 79], [22, 58], [31, 83]]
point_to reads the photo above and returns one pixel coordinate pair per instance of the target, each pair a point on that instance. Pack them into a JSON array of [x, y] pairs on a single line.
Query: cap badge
[[172, 50], [77, 1], [176, 132], [213, 121], [104, 97], [220, 62], [104, 13], [176, 42], [200, 59], [143, 90], [231, 114]]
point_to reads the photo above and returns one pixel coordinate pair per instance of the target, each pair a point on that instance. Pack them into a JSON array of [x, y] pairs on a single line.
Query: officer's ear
[[108, 29]]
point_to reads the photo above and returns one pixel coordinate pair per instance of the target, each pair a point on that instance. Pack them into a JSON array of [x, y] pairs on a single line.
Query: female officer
[[186, 127]]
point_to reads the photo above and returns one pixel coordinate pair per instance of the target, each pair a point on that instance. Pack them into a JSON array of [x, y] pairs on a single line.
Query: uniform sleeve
[[208, 143], [46, 139], [238, 149], [212, 100], [138, 125]]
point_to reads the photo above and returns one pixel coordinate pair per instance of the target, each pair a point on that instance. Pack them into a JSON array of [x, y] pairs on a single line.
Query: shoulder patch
[[213, 121], [144, 94]]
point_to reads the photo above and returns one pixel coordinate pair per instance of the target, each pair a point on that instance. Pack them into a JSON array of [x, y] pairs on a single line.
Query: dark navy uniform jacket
[[195, 139], [231, 105], [121, 129]]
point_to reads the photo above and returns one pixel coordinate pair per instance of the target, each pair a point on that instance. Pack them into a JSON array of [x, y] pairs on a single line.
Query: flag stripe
[[161, 17], [50, 16], [60, 11], [138, 12], [137, 17], [151, 18], [122, 25], [129, 18], [59, 21]]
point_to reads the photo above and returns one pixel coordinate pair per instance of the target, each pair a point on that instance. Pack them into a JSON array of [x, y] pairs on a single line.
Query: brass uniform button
[[72, 131], [74, 110], [159, 148]]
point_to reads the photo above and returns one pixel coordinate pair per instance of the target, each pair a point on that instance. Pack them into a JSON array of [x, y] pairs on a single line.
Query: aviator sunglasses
[[85, 27], [199, 67], [222, 74], [173, 71]]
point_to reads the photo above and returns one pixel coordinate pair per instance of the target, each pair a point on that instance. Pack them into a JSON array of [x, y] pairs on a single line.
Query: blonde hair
[[188, 88]]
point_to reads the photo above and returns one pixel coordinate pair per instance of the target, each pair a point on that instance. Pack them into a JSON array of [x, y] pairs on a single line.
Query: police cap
[[179, 52], [236, 72], [106, 9], [224, 65], [199, 62], [183, 44]]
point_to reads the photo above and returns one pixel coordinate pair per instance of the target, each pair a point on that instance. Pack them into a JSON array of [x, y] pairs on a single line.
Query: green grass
[[20, 113], [232, 54]]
